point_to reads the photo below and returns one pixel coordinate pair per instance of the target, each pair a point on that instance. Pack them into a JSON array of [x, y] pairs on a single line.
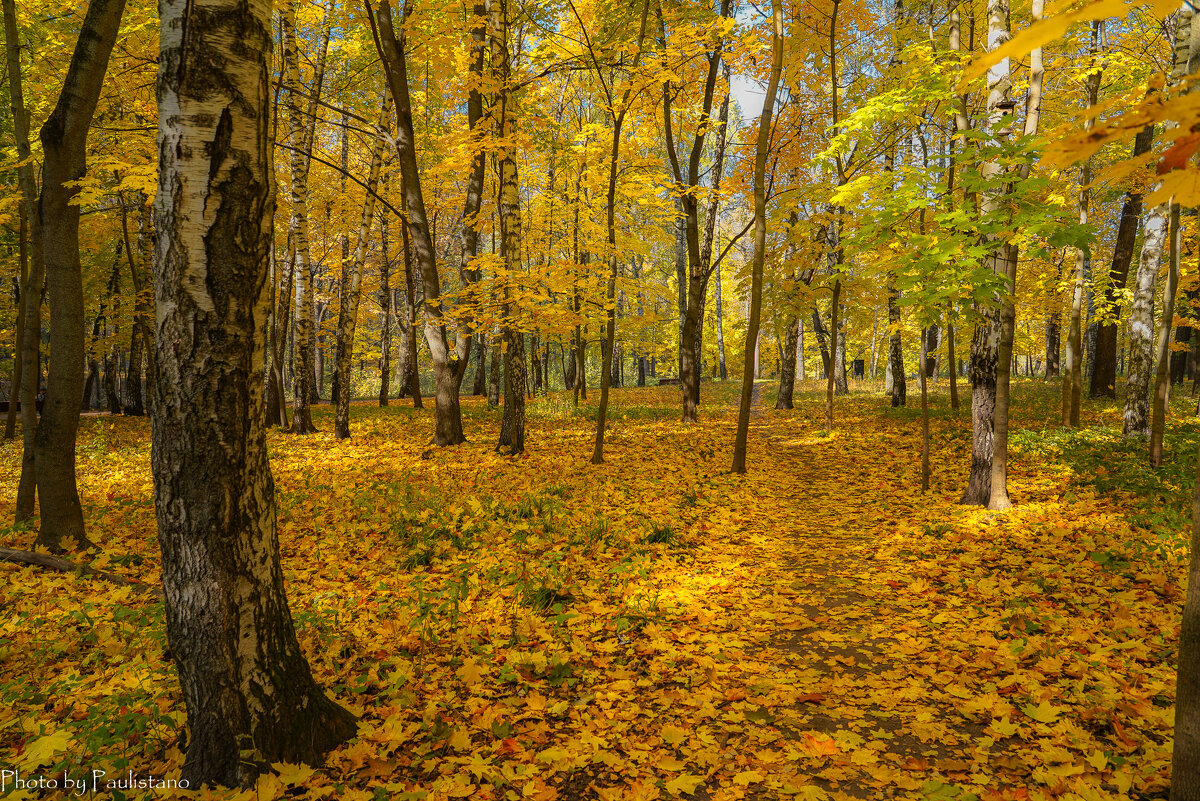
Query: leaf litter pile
[[654, 627]]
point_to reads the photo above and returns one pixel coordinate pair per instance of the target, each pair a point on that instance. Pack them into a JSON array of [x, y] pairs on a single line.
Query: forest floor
[[540, 627]]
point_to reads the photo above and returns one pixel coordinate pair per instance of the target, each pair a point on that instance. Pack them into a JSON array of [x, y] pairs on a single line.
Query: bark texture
[[246, 686], [64, 145], [31, 289], [303, 369], [1104, 372], [512, 426], [449, 364], [985, 344], [1141, 326]]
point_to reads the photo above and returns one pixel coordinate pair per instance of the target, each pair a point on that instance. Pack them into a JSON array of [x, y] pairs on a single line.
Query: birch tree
[[249, 694]]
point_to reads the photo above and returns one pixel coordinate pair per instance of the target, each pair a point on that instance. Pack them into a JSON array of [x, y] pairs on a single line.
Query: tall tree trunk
[[822, 342], [1072, 389], [64, 145], [720, 312], [480, 387], [1104, 374], [249, 694], [29, 236], [493, 389], [386, 307], [787, 364], [692, 265], [952, 360], [31, 290], [1140, 419], [1185, 758], [1141, 326], [760, 235], [303, 370], [140, 336], [895, 353], [1162, 382], [411, 375], [985, 345], [924, 414], [351, 290], [1053, 343], [512, 426], [448, 364], [998, 499], [610, 315], [14, 393]]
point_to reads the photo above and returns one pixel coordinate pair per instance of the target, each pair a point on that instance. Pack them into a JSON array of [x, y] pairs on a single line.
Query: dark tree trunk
[[1053, 344], [480, 387], [1185, 759], [787, 365], [493, 388], [1104, 372], [411, 380], [64, 145], [249, 694], [822, 341], [512, 426], [895, 349], [982, 372]]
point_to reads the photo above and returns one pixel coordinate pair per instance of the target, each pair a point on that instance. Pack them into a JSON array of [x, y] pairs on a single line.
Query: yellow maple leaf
[[1044, 712], [673, 734], [42, 750], [685, 784], [293, 775]]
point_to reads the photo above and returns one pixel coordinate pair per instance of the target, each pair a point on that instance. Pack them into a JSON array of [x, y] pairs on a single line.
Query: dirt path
[[878, 687]]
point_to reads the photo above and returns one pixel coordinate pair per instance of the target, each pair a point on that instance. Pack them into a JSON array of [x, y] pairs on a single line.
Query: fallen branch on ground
[[67, 566]]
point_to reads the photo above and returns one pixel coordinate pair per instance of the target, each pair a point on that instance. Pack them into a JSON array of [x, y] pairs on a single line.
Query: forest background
[[525, 202]]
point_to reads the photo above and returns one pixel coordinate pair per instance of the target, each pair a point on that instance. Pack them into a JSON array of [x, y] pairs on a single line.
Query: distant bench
[[662, 382]]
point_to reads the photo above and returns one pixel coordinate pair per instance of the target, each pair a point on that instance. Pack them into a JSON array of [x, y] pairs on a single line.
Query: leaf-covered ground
[[655, 627]]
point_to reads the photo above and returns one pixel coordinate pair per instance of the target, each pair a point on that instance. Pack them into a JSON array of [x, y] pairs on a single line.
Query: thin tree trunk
[[480, 388], [924, 416], [895, 352], [760, 235], [1162, 384], [1072, 390], [952, 360], [985, 345], [1104, 374], [351, 290], [720, 326], [303, 370], [448, 365], [1141, 326], [512, 426], [411, 377], [31, 290], [610, 328], [386, 307], [998, 499]]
